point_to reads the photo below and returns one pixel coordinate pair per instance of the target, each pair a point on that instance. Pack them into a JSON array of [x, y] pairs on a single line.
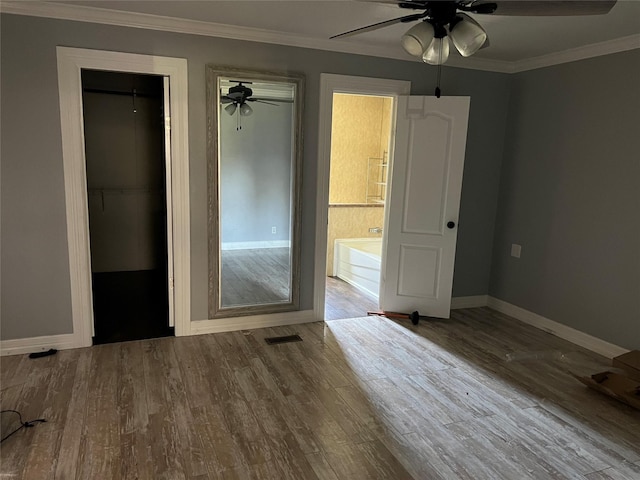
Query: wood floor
[[346, 301], [362, 398], [258, 276], [255, 276]]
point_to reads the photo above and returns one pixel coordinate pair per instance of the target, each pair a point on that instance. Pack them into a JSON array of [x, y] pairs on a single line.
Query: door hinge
[[171, 285]]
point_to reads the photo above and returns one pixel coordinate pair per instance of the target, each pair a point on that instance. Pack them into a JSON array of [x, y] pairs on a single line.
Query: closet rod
[[120, 92]]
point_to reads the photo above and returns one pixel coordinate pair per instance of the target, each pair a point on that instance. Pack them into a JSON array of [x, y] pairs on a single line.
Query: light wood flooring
[[255, 276], [346, 301], [364, 398]]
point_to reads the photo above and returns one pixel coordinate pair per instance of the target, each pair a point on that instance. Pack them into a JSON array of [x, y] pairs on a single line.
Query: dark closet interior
[[124, 143]]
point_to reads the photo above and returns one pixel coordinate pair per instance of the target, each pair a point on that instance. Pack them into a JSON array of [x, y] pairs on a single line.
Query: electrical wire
[[30, 423]]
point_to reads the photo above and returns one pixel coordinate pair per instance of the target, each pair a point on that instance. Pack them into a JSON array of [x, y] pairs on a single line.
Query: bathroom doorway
[[361, 141], [426, 163], [124, 132]]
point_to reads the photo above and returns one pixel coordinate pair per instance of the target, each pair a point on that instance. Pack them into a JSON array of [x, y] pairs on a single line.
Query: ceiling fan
[[441, 20], [238, 96]]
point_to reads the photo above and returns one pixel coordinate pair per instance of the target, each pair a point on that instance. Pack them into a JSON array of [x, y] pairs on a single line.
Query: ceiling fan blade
[[386, 23], [262, 101], [267, 99], [225, 99], [417, 4], [541, 8]]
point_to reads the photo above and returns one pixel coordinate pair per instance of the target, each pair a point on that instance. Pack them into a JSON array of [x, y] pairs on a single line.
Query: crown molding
[[476, 63], [617, 45], [81, 13], [195, 27]]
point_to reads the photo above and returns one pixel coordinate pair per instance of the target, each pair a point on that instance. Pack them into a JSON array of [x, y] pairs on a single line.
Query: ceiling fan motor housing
[[240, 92]]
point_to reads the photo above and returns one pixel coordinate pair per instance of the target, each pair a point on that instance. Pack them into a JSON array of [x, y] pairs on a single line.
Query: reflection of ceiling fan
[[238, 96], [442, 19]]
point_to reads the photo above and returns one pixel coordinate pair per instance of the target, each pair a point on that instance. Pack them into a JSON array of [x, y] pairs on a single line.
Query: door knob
[[451, 224]]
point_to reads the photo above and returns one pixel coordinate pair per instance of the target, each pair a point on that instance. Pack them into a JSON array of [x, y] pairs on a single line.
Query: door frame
[[330, 84], [71, 61]]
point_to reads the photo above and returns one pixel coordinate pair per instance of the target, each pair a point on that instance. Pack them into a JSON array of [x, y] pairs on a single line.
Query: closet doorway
[[126, 170]]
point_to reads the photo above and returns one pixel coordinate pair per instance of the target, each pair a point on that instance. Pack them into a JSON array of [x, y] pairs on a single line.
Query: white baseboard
[[255, 245], [68, 341], [572, 335], [39, 344], [232, 324], [469, 302]]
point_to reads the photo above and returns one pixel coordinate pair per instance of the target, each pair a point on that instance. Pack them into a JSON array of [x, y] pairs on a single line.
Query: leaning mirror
[[254, 122]]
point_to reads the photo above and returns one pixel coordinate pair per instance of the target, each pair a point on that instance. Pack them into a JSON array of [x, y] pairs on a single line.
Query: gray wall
[[570, 195], [255, 174], [35, 273]]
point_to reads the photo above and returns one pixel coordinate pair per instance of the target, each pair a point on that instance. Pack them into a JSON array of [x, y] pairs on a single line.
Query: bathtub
[[357, 261]]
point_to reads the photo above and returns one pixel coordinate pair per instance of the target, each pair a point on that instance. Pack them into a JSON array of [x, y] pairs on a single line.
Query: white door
[[424, 199]]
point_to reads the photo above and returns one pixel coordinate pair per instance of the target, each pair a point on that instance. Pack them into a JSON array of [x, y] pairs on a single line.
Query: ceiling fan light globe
[[231, 108], [437, 52], [417, 38], [245, 110], [468, 36]]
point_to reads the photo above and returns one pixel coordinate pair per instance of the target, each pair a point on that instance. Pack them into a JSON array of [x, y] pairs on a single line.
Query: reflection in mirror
[[254, 146]]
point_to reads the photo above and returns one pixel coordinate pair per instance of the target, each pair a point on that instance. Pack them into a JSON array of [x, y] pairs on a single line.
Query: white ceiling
[[310, 22]]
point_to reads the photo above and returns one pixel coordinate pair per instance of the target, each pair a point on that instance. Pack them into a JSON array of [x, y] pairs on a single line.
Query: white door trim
[[166, 110], [330, 84], [70, 63]]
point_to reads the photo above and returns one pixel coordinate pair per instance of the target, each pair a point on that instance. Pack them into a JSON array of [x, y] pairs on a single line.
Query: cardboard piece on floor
[[618, 386], [630, 363]]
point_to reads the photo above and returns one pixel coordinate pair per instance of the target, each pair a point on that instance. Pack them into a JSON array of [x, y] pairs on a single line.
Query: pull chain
[[438, 92]]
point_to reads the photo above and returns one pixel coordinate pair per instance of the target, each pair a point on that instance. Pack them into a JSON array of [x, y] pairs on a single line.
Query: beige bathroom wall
[[360, 130], [352, 222]]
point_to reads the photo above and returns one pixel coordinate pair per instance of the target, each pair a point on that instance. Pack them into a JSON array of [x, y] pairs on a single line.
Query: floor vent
[[285, 339]]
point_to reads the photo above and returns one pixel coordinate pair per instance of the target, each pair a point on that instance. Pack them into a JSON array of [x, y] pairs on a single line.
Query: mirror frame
[[213, 74]]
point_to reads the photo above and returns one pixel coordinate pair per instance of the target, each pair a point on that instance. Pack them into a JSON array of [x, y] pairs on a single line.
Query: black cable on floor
[[28, 424]]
